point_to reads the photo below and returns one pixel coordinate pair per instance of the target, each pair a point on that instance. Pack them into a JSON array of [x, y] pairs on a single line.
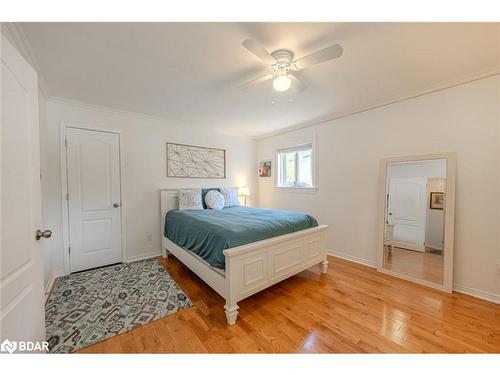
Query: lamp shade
[[282, 83], [244, 191]]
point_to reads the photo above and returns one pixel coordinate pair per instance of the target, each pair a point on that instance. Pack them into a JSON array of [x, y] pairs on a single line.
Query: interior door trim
[[64, 187]]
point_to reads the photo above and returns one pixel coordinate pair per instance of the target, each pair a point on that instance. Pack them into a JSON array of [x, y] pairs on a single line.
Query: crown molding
[[16, 33], [112, 110], [135, 115], [430, 90]]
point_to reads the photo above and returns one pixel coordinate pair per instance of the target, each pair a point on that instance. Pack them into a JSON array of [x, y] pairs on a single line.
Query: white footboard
[[256, 266], [253, 267]]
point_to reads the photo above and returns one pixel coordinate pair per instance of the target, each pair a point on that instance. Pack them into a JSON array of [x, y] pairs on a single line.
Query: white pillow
[[214, 200], [190, 199], [230, 197]]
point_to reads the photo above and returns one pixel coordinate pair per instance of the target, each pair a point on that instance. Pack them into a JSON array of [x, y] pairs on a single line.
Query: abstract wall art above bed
[[195, 162]]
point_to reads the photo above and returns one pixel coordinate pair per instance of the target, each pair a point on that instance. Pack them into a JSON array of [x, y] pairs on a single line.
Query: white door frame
[[64, 187]]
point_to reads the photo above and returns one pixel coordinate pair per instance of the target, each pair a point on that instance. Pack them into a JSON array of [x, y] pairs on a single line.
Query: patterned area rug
[[94, 305]]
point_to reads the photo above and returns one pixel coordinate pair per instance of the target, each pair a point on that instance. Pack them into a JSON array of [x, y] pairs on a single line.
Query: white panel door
[[94, 199], [406, 211], [22, 315]]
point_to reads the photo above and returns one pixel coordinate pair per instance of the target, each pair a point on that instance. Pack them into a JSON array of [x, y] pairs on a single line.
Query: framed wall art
[[437, 201], [187, 161], [265, 168]]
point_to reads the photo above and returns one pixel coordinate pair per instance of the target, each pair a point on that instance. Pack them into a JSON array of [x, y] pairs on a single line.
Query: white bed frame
[[253, 267]]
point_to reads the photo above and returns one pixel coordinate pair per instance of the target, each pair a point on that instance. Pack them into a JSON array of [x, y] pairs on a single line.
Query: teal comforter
[[208, 232]]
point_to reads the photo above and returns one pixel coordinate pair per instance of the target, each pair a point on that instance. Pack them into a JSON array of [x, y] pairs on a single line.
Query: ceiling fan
[[284, 68]]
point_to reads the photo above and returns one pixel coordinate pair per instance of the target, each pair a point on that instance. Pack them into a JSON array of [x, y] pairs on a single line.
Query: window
[[295, 167]]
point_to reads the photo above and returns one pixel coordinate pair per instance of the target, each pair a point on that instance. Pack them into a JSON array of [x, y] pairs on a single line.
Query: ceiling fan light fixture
[[282, 82], [284, 65]]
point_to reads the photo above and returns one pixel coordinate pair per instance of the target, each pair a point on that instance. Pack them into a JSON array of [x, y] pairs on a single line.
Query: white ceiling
[[190, 71]]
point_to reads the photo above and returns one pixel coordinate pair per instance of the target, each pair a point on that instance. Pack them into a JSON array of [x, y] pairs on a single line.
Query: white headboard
[[169, 200]]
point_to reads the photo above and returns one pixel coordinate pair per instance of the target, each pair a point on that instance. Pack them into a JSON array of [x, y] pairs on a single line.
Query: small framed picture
[[437, 201], [265, 168]]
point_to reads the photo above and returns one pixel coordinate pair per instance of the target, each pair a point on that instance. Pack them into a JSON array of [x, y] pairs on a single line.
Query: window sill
[[306, 190]]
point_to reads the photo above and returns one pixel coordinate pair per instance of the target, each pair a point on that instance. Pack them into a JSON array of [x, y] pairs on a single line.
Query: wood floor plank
[[351, 309]]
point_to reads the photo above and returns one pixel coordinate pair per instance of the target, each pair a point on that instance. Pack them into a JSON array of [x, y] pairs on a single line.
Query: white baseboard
[[491, 297], [351, 258], [50, 283], [152, 254], [434, 246], [487, 296]]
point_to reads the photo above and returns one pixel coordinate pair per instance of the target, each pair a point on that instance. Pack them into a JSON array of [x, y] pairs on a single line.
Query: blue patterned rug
[[91, 306]]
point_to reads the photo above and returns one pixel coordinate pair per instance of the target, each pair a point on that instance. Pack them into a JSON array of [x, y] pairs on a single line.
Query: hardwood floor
[[351, 309], [427, 265]]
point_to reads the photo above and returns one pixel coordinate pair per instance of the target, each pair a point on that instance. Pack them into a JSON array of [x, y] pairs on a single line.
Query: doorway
[[93, 199]]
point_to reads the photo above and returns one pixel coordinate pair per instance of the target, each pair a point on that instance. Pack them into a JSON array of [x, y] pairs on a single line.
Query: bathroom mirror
[[416, 220]]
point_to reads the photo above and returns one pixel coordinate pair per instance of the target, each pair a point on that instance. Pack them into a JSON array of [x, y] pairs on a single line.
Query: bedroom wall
[[434, 233], [465, 119], [143, 148]]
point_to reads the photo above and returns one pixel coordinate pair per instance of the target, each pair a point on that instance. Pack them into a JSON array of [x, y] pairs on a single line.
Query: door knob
[[45, 234], [116, 205]]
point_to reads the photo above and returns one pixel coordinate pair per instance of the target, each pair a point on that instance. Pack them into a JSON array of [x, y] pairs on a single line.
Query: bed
[[240, 251]]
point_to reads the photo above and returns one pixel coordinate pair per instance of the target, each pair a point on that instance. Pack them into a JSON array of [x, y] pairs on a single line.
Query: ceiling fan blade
[[256, 81], [260, 52], [320, 56], [297, 83]]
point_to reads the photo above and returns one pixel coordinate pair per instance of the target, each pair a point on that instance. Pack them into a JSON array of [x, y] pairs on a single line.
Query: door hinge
[[67, 196], [69, 250], [65, 143]]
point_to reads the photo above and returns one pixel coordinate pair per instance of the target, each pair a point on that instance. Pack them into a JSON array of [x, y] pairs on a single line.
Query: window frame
[[295, 147]]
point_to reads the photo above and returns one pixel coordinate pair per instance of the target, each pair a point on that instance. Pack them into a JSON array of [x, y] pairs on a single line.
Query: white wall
[[434, 235], [464, 119], [428, 168], [144, 170]]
